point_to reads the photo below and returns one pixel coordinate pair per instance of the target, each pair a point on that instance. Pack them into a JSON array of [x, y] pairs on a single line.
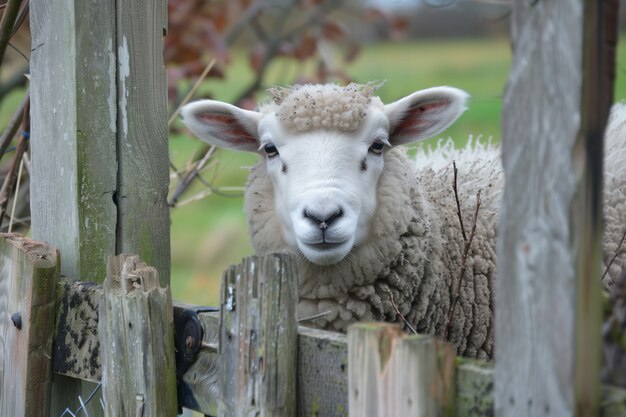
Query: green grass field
[[210, 234]]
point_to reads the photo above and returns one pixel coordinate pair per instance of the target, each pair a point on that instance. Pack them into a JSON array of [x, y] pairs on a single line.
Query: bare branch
[[395, 307], [458, 205], [468, 244], [193, 89], [190, 174], [11, 129], [9, 181], [7, 23], [617, 251]]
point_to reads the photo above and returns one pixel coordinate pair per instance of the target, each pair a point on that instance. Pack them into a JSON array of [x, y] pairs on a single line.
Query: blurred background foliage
[[232, 50], [409, 44]]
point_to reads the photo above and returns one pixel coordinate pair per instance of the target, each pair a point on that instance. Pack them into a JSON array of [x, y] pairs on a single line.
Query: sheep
[[376, 233]]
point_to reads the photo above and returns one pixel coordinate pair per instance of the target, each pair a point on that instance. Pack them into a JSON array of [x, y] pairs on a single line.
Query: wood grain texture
[[29, 271], [138, 367], [322, 367], [73, 132], [258, 338], [143, 178], [392, 374], [547, 303]]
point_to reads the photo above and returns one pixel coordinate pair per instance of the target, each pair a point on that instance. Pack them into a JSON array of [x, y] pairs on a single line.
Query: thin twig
[[395, 307], [190, 174], [468, 244], [191, 92], [6, 25], [314, 316], [15, 195], [11, 129], [606, 270], [458, 205], [9, 181]]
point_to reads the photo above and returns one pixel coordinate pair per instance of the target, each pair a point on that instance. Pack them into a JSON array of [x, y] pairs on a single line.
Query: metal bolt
[[16, 318]]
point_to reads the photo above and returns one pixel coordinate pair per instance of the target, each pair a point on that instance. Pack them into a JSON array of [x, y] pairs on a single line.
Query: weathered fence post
[[392, 374], [547, 298], [99, 141], [137, 341], [258, 338], [29, 272]]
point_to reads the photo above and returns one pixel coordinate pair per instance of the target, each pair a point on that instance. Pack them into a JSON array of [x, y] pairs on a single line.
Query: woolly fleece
[[414, 254]]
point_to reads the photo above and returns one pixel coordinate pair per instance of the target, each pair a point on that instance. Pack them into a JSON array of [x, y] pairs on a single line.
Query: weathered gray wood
[[548, 304], [137, 341], [258, 338], [73, 127], [29, 271], [80, 131], [392, 374], [143, 178], [322, 373], [322, 367], [73, 131]]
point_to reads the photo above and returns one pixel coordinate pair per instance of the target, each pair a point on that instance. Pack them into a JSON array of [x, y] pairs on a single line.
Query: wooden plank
[[29, 271], [322, 373], [73, 126], [548, 304], [322, 367], [392, 374], [143, 177], [258, 338], [474, 386], [73, 131], [138, 366]]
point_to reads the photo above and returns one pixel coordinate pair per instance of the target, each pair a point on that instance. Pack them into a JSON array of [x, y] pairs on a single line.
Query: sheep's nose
[[323, 219]]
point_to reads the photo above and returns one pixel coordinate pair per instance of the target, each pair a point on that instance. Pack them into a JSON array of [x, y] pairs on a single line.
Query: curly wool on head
[[310, 107]]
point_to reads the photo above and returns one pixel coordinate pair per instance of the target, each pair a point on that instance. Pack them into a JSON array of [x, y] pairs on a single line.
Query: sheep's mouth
[[325, 253], [324, 246]]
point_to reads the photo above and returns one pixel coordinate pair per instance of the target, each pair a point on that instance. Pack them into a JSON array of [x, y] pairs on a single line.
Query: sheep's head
[[323, 146]]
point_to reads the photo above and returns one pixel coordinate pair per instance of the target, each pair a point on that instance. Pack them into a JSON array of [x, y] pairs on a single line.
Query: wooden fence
[[99, 188]]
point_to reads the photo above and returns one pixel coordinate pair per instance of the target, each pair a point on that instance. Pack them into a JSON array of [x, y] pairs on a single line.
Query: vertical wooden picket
[[258, 338], [29, 272], [547, 302], [393, 374], [99, 143]]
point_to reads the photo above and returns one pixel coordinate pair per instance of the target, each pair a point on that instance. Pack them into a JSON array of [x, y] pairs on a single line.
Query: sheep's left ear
[[424, 113]]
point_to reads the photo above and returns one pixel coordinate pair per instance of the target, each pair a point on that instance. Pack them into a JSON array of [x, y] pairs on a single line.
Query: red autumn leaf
[[333, 30], [305, 48], [257, 56]]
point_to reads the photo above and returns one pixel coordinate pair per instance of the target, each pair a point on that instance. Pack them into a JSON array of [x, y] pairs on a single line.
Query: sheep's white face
[[325, 184], [325, 180]]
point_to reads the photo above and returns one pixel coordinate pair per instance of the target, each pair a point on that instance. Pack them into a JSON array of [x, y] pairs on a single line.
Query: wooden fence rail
[[323, 362]]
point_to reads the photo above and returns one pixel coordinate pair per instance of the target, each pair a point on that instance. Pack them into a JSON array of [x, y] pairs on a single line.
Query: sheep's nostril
[[323, 220]]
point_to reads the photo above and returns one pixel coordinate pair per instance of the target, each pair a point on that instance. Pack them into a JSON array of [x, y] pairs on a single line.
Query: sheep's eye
[[270, 150], [377, 148]]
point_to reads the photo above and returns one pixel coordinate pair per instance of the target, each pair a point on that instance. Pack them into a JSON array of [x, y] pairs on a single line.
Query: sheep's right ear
[[424, 113], [223, 124]]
